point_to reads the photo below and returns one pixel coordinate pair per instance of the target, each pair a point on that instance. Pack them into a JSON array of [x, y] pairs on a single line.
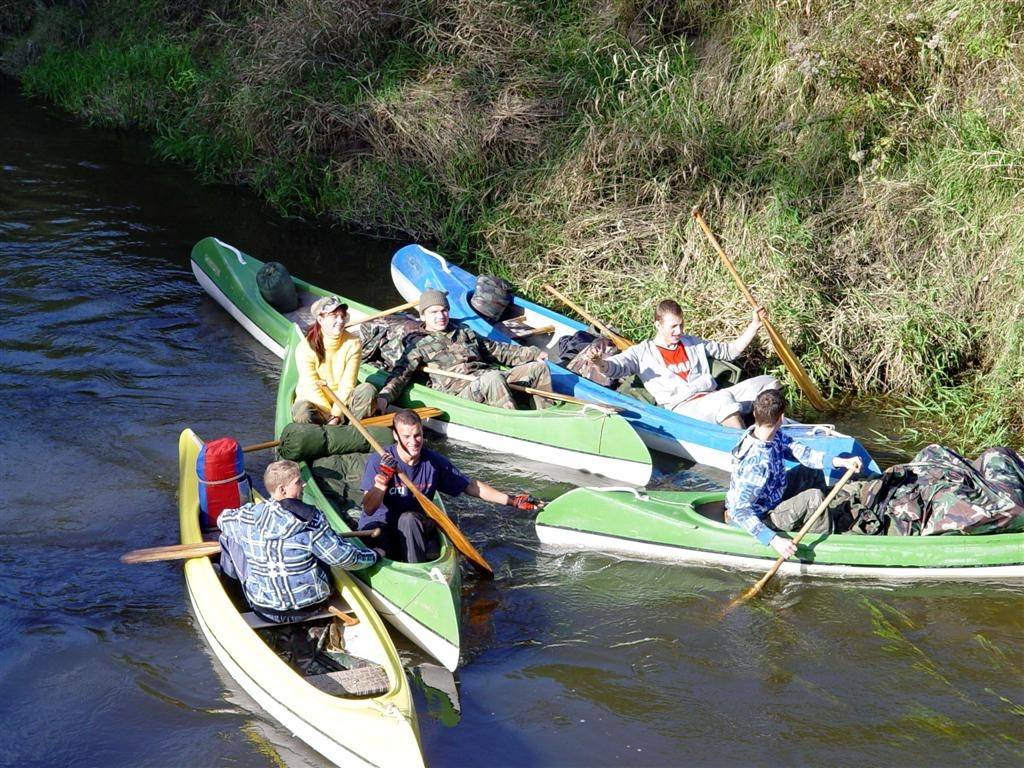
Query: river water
[[110, 348]]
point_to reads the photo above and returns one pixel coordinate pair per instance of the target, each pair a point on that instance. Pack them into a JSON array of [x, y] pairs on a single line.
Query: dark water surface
[[110, 348]]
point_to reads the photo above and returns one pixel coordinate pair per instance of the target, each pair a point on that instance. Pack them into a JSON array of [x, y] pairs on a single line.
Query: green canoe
[[571, 436], [688, 527], [421, 600]]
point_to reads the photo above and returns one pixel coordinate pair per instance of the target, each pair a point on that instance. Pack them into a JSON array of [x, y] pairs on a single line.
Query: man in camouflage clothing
[[941, 492], [452, 346]]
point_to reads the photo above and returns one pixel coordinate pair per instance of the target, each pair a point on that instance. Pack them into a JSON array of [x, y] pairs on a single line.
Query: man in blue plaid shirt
[[281, 549], [762, 499]]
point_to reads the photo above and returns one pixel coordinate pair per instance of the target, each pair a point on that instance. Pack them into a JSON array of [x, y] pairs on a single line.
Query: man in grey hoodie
[[676, 369]]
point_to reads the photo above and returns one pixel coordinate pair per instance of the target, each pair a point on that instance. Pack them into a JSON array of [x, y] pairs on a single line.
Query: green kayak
[[568, 435], [689, 527], [422, 600]]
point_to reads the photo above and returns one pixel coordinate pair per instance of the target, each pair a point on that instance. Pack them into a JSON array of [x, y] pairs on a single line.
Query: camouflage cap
[[433, 298], [327, 305]]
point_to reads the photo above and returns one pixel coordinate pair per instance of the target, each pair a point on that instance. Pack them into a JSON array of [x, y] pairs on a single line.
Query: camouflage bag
[[491, 297], [980, 497], [941, 492]]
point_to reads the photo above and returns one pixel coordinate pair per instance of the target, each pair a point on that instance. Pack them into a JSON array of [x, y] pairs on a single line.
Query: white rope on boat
[[390, 710], [619, 489], [441, 259], [237, 477], [238, 254], [603, 410], [823, 429]]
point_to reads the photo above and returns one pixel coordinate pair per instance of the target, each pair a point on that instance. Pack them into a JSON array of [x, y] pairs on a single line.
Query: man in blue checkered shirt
[[281, 549], [762, 499]]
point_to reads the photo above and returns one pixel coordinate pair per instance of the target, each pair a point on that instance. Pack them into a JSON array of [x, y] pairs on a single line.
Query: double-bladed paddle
[[781, 347], [430, 508]]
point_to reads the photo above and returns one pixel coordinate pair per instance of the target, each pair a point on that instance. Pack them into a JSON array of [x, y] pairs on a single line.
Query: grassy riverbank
[[862, 162]]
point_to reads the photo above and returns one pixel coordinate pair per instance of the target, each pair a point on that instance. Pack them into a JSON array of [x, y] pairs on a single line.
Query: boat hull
[[377, 731], [415, 269], [672, 526]]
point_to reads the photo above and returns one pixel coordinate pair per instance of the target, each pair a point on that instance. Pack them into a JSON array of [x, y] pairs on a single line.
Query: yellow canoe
[[379, 730]]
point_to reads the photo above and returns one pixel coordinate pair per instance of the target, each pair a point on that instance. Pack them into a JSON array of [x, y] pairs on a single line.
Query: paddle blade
[[171, 552], [450, 529], [754, 590], [781, 347], [793, 365]]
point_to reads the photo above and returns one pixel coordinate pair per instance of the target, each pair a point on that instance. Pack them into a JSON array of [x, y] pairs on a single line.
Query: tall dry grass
[[861, 161]]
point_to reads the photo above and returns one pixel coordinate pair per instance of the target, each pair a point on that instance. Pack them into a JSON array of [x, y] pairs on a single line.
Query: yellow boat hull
[[377, 731]]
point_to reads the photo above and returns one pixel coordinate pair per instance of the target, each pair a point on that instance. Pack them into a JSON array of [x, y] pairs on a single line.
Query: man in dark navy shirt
[[406, 532]]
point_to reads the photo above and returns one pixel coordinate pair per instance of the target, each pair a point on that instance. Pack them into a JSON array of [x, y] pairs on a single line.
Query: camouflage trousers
[[492, 386], [361, 404]]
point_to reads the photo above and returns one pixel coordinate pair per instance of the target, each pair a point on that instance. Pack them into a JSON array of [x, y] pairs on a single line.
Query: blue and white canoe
[[415, 269]]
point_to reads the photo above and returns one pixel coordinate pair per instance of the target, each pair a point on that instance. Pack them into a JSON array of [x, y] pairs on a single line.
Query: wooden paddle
[[541, 330], [796, 539], [619, 341], [432, 510], [781, 347], [384, 420], [206, 548], [528, 390], [385, 313]]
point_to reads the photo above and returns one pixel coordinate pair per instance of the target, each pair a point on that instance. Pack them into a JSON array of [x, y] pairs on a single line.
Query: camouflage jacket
[[457, 349], [941, 492], [384, 339]]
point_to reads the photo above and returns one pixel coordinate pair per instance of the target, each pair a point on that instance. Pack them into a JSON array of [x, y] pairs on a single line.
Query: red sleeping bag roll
[[223, 483]]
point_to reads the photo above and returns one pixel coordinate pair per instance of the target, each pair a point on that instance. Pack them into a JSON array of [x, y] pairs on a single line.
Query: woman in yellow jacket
[[330, 354]]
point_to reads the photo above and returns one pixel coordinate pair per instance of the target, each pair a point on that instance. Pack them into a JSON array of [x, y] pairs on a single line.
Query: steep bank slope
[[863, 162]]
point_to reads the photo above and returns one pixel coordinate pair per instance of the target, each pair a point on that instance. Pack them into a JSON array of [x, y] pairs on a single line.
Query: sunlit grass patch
[[112, 85]]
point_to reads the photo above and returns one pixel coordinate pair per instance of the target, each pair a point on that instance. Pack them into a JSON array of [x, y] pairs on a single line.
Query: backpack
[[223, 482], [276, 287], [491, 297], [941, 492]]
